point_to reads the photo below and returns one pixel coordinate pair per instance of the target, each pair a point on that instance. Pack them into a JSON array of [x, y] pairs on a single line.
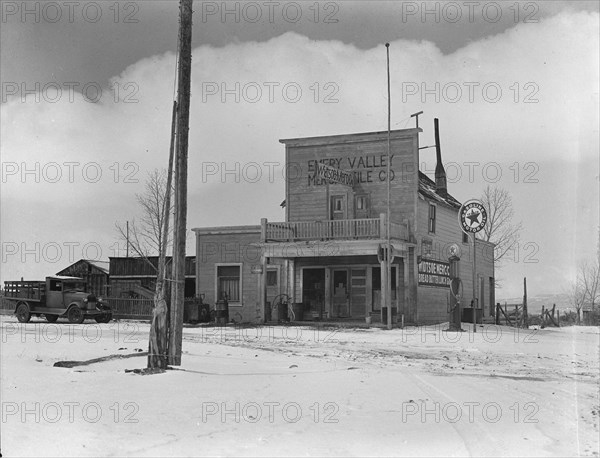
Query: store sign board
[[434, 273], [334, 175]]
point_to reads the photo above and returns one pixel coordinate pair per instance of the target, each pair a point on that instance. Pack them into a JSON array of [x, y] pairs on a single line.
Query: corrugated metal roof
[[427, 189]]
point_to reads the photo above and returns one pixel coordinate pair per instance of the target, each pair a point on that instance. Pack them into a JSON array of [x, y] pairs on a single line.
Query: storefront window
[[228, 283]]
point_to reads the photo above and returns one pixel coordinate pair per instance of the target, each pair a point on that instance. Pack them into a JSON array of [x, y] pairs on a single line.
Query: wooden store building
[[326, 255]]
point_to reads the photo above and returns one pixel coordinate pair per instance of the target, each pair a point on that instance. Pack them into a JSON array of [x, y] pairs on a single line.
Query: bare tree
[[576, 297], [500, 229], [589, 279], [146, 236], [151, 236]]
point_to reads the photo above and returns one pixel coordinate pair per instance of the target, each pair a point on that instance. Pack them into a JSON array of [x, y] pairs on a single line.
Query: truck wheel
[[51, 318], [23, 313], [75, 315], [104, 318]]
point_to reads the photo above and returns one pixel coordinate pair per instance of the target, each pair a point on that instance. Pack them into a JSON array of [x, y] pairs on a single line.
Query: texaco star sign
[[472, 216]]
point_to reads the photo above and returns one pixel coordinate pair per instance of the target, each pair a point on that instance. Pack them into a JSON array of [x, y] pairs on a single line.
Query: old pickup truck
[[56, 297]]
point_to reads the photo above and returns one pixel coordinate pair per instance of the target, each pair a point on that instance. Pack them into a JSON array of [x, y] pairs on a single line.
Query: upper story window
[[361, 206], [338, 209], [465, 237], [431, 226]]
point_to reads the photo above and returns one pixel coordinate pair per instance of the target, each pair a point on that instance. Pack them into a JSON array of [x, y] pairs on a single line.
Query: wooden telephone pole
[[183, 123]]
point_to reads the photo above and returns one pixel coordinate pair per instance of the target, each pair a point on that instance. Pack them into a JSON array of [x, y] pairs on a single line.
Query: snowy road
[[281, 391]]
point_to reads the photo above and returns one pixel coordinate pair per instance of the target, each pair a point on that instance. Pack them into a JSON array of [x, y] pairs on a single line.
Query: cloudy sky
[[87, 90]]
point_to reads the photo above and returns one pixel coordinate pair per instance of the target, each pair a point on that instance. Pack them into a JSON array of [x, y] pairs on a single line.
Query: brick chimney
[[441, 186]]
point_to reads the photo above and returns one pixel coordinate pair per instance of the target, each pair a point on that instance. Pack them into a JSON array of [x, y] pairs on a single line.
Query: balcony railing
[[348, 229]]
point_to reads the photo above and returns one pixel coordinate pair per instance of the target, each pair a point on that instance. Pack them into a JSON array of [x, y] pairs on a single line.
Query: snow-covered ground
[[299, 391]]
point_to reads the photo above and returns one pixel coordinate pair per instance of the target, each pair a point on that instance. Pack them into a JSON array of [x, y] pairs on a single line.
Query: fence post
[[543, 318]]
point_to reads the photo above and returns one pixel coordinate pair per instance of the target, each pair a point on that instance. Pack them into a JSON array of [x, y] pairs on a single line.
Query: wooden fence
[[130, 308], [547, 317], [509, 315], [512, 315]]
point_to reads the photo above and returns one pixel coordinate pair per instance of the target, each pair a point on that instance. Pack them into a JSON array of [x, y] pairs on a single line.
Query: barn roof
[[100, 265]]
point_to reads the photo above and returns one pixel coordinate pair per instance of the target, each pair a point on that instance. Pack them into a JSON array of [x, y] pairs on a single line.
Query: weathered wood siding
[[135, 266], [307, 197]]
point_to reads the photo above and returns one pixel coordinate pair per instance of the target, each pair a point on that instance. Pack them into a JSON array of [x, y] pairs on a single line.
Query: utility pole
[[183, 122], [525, 315], [388, 258]]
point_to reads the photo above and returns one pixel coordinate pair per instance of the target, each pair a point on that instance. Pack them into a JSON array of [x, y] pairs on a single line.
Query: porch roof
[[317, 248]]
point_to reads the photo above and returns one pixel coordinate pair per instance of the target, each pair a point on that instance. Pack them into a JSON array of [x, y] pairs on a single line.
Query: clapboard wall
[[432, 300]]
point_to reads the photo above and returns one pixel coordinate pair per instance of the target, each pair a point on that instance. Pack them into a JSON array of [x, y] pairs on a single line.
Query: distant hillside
[[534, 304]]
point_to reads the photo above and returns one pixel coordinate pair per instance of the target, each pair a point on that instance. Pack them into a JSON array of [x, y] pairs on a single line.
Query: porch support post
[[263, 230], [263, 287], [291, 290], [369, 289], [327, 306], [384, 290], [197, 264], [413, 298], [382, 227], [405, 308]]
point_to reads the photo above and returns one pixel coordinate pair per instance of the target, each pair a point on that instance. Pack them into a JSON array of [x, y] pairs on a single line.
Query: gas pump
[[454, 307]]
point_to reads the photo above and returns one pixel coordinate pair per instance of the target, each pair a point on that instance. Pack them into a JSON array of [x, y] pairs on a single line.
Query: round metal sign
[[454, 250], [472, 216]]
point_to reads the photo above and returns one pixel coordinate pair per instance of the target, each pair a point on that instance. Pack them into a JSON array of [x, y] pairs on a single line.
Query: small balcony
[[344, 229]]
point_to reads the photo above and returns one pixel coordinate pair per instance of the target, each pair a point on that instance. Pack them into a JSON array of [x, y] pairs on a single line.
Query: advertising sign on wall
[[434, 273]]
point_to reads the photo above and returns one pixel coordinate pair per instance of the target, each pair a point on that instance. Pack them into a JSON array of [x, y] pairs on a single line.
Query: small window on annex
[[228, 283]]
